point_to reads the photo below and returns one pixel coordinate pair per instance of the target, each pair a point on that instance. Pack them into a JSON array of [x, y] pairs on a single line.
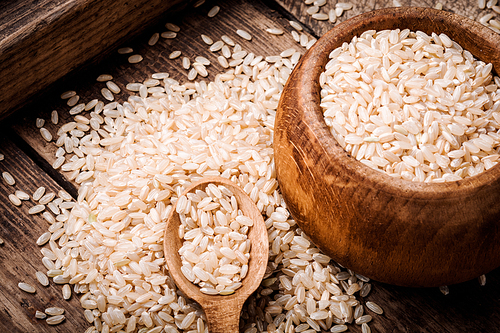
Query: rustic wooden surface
[[20, 257], [223, 314], [48, 39], [468, 307]]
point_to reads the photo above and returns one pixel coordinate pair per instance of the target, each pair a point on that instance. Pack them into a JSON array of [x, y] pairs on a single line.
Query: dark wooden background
[[468, 308]]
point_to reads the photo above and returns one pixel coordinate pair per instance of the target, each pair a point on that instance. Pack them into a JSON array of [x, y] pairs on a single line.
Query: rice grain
[[36, 209], [39, 122], [54, 117], [54, 311], [169, 34], [42, 278], [14, 200], [374, 307], [73, 100], [173, 27], [175, 54], [40, 315], [227, 40], [43, 239], [68, 94], [26, 287], [22, 195], [136, 58], [56, 320], [154, 39], [7, 177], [243, 34], [104, 78], [275, 31], [217, 46], [125, 50]]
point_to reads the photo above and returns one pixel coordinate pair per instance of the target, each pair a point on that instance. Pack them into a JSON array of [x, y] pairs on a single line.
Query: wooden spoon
[[222, 312]]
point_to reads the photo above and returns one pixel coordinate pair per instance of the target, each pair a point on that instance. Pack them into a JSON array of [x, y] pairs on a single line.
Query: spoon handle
[[223, 317]]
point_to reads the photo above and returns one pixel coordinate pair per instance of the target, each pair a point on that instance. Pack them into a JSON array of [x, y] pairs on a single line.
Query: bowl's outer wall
[[394, 231]]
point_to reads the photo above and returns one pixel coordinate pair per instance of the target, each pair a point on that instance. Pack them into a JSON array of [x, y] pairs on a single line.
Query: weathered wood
[[469, 307], [42, 42], [20, 257], [223, 312]]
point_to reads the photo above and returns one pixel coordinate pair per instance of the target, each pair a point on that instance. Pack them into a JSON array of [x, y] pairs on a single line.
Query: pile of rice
[[134, 159], [418, 107], [215, 252]]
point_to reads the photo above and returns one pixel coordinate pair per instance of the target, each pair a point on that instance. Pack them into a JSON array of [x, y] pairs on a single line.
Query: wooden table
[[468, 308]]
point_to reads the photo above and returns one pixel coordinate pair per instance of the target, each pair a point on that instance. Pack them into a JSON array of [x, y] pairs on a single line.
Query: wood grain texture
[[45, 43], [223, 312], [20, 257], [468, 308], [392, 230]]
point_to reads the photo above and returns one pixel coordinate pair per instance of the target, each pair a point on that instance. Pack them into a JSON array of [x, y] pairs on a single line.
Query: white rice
[[169, 34], [73, 100], [134, 159], [40, 315], [207, 40], [415, 106], [213, 11], [22, 195], [14, 200], [174, 54], [154, 39], [104, 78], [68, 94], [55, 320], [26, 287], [216, 251], [40, 122], [135, 58], [275, 31], [54, 311], [173, 27], [243, 34], [8, 178]]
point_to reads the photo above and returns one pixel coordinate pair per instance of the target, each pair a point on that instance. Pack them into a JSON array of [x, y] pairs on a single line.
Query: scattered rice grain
[[175, 54], [26, 287], [212, 12], [7, 177], [136, 58], [125, 50], [243, 34], [55, 320]]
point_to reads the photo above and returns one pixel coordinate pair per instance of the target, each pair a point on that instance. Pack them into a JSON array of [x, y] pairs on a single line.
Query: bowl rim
[[313, 112]]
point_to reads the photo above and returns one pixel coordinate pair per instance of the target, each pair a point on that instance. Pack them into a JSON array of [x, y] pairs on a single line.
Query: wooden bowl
[[391, 230]]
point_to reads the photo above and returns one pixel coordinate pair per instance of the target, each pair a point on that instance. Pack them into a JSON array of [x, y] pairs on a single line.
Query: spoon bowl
[[222, 312]]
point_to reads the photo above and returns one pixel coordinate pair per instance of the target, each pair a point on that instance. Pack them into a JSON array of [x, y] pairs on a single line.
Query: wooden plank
[[469, 307], [20, 257], [42, 42]]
